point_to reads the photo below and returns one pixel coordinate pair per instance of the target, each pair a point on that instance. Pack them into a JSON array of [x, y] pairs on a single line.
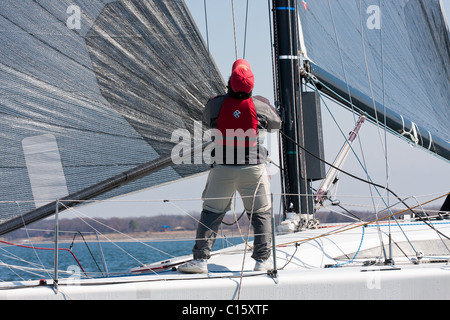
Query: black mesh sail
[[93, 88]]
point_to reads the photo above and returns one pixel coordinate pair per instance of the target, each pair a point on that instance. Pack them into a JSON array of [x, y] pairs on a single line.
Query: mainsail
[[92, 88], [389, 58]]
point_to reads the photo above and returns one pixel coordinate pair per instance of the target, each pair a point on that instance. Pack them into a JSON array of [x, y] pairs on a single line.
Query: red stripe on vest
[[237, 123]]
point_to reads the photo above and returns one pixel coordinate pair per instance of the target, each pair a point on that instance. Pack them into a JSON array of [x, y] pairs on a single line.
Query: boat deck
[[310, 266]]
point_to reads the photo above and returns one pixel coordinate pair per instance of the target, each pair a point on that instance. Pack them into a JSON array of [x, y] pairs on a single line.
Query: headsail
[[397, 50], [90, 89]]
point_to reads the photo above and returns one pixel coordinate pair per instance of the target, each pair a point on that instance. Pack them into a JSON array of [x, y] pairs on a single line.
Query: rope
[[370, 181], [199, 222], [365, 224], [431, 223], [234, 29], [89, 249], [115, 230], [248, 233], [49, 249], [246, 25], [209, 53], [368, 223], [357, 252], [413, 133], [363, 164], [28, 236], [368, 73], [377, 121]]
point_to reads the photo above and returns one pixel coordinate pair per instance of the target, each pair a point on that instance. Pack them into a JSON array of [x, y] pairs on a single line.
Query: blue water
[[120, 257]]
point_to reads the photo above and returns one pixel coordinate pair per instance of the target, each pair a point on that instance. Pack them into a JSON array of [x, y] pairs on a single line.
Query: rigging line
[[246, 25], [209, 52], [89, 249], [28, 270], [29, 238], [384, 146], [13, 256], [383, 84], [345, 172], [398, 246], [369, 117], [322, 206], [46, 249], [297, 245], [367, 68], [346, 82], [386, 153], [357, 252], [12, 267], [341, 57], [79, 214], [351, 216], [351, 103], [374, 184], [431, 223], [248, 232], [349, 93], [366, 224], [369, 179], [234, 29], [198, 221], [351, 148], [236, 220], [9, 266]]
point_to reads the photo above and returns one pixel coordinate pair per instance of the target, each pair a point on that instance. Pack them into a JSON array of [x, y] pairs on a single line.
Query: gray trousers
[[253, 185]]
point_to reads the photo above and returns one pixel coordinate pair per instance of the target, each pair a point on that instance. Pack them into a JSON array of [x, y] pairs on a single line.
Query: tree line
[[160, 223], [152, 224]]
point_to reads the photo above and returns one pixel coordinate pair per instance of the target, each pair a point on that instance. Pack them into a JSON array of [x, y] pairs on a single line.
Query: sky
[[411, 171]]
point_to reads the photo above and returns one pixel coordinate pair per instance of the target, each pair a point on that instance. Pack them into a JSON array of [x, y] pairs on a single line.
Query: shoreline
[[114, 237]]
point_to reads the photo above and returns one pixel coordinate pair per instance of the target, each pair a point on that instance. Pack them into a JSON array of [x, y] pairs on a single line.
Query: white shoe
[[263, 265], [194, 266]]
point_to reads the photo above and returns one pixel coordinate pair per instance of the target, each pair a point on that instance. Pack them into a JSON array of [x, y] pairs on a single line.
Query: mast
[[290, 101]]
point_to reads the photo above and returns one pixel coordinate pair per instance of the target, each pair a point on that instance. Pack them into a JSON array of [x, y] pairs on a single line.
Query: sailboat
[[92, 92]]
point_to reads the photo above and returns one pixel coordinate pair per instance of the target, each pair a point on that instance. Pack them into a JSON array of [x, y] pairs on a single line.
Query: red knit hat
[[242, 78]]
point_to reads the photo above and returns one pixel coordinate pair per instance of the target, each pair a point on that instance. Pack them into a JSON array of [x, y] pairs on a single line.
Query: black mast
[[290, 101]]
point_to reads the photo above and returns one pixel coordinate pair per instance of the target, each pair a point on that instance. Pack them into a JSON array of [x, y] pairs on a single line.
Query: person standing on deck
[[239, 165]]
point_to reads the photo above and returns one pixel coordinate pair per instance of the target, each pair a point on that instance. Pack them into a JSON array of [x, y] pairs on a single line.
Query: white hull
[[305, 277], [430, 282]]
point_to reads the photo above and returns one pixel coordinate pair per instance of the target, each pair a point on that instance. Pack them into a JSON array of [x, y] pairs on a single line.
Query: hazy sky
[[411, 170]]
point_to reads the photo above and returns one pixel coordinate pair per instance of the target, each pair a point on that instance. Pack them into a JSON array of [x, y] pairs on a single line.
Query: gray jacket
[[268, 120], [268, 117]]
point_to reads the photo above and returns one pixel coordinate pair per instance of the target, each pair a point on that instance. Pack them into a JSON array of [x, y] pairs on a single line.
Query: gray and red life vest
[[237, 123]]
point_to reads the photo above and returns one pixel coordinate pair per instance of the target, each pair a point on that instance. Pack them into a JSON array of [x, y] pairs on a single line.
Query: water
[[120, 257]]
